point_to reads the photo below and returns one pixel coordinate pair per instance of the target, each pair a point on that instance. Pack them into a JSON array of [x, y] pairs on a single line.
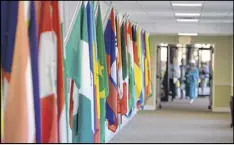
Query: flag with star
[[103, 77]]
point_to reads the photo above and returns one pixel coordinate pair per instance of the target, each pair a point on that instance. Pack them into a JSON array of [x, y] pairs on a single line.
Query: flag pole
[[96, 8], [72, 23], [107, 14]]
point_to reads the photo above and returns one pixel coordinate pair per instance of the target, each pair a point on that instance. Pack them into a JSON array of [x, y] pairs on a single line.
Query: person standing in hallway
[[192, 81], [173, 75], [204, 75], [183, 79]]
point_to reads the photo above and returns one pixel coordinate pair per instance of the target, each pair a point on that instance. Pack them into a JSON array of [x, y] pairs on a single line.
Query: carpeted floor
[[178, 122]]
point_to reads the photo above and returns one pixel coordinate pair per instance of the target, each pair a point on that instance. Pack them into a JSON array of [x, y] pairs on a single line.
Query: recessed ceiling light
[[187, 20], [187, 34], [187, 5], [187, 14]]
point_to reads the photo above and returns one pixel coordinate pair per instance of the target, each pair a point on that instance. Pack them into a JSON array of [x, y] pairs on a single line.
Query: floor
[[178, 122]]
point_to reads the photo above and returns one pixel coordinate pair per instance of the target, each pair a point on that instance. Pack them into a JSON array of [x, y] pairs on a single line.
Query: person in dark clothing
[[171, 87], [165, 86]]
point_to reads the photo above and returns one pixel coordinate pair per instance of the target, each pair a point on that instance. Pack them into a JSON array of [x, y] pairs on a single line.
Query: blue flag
[[34, 63]]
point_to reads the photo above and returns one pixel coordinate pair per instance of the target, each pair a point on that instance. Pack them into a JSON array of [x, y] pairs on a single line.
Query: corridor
[[178, 122]]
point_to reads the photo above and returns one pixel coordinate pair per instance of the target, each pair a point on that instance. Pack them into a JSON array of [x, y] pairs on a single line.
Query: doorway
[[178, 55]]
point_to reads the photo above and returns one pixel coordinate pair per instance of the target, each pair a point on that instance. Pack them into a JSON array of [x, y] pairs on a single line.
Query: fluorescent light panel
[[187, 14], [187, 34], [187, 20], [187, 5]]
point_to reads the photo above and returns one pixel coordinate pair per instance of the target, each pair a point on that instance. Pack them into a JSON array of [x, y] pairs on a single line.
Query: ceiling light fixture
[[187, 5], [187, 20], [187, 14], [187, 34]]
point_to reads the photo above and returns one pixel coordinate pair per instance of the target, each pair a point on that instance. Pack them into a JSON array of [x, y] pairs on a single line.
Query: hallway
[[178, 122]]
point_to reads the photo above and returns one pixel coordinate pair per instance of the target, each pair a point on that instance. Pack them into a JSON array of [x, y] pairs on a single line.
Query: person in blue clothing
[[192, 81]]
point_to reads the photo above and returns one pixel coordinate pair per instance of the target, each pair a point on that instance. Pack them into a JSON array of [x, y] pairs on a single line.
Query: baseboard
[[221, 109]]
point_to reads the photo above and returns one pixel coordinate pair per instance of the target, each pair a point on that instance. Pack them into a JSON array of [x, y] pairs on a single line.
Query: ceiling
[[158, 17]]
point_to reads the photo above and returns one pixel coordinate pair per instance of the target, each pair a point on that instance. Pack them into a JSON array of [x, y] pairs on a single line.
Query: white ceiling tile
[[161, 3], [154, 14], [214, 14], [218, 6], [219, 2], [216, 21], [125, 5], [155, 5]]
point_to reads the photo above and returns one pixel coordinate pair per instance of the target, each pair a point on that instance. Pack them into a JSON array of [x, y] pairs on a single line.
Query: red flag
[[48, 74], [60, 81]]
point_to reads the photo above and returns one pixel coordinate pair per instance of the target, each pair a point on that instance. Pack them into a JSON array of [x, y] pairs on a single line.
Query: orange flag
[[19, 122]]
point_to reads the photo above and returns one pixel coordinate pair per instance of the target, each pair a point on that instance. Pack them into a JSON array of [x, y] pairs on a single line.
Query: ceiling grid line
[[203, 5], [173, 12]]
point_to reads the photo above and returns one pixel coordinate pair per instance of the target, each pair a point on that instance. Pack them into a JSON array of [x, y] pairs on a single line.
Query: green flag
[[103, 77], [78, 68]]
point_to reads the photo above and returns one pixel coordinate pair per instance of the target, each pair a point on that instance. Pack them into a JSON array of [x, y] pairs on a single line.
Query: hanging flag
[[111, 101], [92, 53], [67, 85], [19, 118], [96, 79], [72, 73], [142, 68], [9, 13], [145, 68], [62, 122], [32, 33], [119, 69], [85, 97], [78, 68], [103, 77], [131, 88], [137, 66], [124, 77], [48, 74], [148, 63], [37, 12]]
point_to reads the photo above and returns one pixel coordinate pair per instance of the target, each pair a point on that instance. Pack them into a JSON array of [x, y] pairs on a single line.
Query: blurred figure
[[192, 81], [174, 75], [204, 75], [172, 87], [183, 78]]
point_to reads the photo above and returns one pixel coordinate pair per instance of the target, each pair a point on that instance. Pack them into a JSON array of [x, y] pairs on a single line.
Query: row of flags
[[69, 93]]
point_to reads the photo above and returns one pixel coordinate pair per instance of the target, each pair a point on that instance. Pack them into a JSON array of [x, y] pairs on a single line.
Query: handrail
[[72, 22]]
